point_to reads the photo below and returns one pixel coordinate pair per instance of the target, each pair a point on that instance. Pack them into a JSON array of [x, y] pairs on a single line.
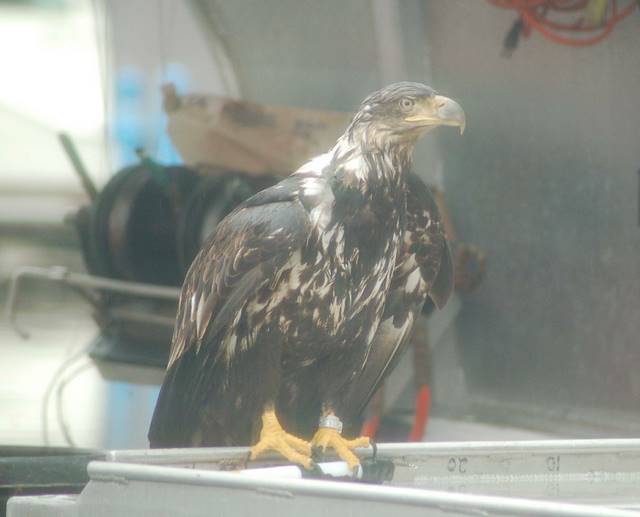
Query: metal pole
[[78, 166]]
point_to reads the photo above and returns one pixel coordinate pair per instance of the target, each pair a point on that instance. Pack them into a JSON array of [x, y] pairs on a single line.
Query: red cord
[[581, 42], [514, 4], [423, 404], [534, 14], [370, 427], [563, 40], [576, 6]]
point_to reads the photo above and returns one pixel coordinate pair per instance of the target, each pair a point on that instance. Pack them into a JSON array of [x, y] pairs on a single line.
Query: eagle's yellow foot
[[329, 437], [273, 437]]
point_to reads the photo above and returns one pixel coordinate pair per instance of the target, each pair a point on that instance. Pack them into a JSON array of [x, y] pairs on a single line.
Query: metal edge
[[179, 455], [194, 455], [522, 446], [123, 473]]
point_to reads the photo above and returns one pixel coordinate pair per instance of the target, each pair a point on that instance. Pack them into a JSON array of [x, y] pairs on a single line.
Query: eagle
[[304, 297]]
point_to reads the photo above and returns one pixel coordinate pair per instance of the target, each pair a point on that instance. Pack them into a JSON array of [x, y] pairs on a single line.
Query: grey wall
[[322, 55], [545, 181]]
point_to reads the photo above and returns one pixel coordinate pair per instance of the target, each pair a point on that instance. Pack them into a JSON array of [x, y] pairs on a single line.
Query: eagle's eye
[[406, 103]]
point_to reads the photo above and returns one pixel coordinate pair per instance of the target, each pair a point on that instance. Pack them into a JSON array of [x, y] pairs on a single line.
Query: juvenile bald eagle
[[301, 301]]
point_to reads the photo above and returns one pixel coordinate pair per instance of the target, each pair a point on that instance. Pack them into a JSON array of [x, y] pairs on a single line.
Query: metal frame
[[64, 276], [135, 482], [539, 478], [425, 450], [596, 471]]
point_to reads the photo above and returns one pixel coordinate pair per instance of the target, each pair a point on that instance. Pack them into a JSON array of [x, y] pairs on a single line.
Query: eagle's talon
[[273, 437], [328, 437], [299, 444]]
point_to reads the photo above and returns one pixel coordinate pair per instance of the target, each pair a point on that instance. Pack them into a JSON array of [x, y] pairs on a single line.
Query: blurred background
[[541, 194]]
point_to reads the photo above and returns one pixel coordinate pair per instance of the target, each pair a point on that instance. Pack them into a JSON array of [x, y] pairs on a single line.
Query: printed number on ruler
[[553, 463], [458, 464]]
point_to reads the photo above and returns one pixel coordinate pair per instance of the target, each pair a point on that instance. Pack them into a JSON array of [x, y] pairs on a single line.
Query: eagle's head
[[400, 113]]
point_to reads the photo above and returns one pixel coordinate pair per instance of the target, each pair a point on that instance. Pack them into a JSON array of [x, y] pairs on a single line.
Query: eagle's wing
[[423, 269], [244, 254]]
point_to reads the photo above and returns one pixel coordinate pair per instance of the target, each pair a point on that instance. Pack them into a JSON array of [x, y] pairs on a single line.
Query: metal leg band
[[331, 422]]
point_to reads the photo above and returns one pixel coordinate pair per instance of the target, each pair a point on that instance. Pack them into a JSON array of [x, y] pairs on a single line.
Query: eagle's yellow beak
[[439, 111]]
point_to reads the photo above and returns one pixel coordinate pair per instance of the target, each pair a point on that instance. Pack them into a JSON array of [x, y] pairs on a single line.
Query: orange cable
[[423, 404], [535, 23], [527, 11]]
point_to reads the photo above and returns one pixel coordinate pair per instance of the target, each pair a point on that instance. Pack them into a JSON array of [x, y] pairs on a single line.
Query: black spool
[[146, 225], [132, 229]]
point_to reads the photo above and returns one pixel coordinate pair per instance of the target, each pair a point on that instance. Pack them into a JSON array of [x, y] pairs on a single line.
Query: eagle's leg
[[273, 437], [329, 434]]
